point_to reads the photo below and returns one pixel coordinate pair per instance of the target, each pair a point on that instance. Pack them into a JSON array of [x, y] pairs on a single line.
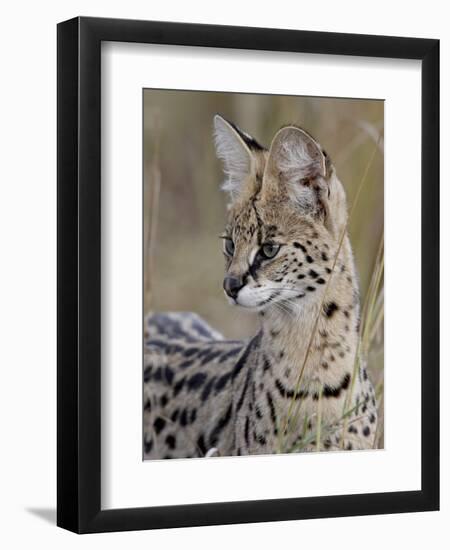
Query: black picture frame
[[79, 274]]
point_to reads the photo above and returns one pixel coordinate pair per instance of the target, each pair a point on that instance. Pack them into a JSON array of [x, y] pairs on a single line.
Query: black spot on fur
[[259, 438], [223, 421], [309, 259], [189, 352], [366, 431], [229, 354], [203, 353], [310, 288], [222, 381], [352, 429], [186, 364], [266, 364], [320, 281], [196, 381], [271, 408], [201, 329], [178, 386], [147, 373], [302, 248], [201, 445], [184, 417], [171, 442], [207, 389], [164, 399], [330, 391], [246, 430], [313, 274], [170, 348], [243, 359], [211, 357], [169, 374], [158, 374], [159, 424], [244, 391], [148, 446], [345, 381], [174, 416], [330, 308], [324, 257], [284, 392]]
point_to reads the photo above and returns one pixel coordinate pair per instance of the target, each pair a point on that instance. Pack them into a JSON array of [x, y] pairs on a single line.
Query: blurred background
[[184, 209]]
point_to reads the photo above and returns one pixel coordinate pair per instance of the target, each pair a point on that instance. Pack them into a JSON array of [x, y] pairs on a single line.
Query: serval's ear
[[297, 164], [235, 149]]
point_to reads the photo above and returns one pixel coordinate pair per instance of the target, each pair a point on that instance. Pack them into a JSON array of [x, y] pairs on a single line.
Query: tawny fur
[[202, 392]]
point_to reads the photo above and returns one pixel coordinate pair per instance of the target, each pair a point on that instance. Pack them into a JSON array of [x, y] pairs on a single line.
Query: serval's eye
[[269, 250], [228, 247]]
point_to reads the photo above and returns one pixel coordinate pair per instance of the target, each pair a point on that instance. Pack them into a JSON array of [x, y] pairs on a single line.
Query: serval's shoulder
[[188, 371]]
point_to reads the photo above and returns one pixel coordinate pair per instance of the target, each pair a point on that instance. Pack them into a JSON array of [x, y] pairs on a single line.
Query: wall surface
[[28, 274]]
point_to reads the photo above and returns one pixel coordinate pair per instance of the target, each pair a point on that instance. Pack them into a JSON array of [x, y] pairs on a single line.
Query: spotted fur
[[204, 395]]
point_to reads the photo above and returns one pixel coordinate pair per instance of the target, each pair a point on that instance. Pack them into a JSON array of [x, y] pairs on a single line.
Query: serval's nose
[[232, 285]]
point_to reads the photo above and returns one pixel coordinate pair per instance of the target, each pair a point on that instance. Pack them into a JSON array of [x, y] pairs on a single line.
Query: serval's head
[[287, 212]]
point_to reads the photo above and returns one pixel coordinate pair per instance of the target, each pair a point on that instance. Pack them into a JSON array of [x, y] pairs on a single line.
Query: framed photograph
[[248, 258]]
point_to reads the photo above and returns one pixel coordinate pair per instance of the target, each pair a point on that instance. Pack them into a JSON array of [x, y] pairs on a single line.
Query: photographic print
[[263, 274], [221, 216]]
